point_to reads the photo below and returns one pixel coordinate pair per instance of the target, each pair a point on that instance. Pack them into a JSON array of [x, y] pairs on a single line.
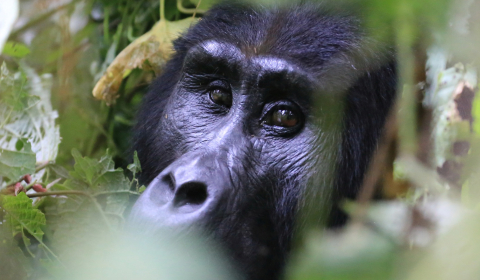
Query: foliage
[[63, 200]]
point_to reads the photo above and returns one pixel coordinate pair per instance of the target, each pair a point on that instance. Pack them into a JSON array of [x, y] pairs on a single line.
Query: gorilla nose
[[183, 193], [183, 188], [190, 194]]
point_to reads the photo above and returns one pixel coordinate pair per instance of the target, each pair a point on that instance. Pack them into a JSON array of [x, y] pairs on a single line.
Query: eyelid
[[219, 84]]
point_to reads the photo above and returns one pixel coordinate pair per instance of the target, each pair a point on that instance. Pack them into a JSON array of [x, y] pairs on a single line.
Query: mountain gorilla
[[259, 110]]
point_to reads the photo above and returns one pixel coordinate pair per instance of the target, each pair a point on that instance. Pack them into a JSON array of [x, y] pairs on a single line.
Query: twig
[[188, 11], [71, 192], [376, 166], [196, 8], [42, 165]]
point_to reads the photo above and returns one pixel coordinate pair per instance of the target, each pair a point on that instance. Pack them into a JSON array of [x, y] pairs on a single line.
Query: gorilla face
[[255, 106]]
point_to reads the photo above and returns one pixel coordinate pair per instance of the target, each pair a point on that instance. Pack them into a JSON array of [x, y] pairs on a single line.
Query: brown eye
[[283, 118], [221, 97]]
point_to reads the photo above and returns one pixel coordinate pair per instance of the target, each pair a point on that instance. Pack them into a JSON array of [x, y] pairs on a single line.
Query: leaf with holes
[[135, 166]]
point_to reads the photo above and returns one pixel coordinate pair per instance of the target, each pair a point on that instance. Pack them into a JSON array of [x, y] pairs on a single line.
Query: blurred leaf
[[22, 216], [14, 265], [99, 210], [150, 51], [447, 96], [354, 253], [59, 170], [163, 256], [476, 114], [15, 164], [71, 222], [15, 49], [455, 255], [8, 15]]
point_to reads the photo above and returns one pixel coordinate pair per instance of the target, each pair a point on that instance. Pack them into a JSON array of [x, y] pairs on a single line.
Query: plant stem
[[162, 9], [42, 165], [188, 11]]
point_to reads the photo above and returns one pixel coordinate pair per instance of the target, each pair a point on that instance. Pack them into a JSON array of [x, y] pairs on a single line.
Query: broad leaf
[[150, 51], [21, 216], [15, 49], [15, 164]]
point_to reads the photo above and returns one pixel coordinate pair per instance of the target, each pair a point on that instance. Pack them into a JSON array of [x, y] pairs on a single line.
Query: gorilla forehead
[[235, 60], [306, 34]]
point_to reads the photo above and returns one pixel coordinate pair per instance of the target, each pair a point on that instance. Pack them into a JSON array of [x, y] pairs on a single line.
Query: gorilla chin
[[260, 114]]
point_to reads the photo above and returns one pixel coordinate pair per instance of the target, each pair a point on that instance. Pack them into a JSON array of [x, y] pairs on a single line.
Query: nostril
[[169, 180], [191, 193]]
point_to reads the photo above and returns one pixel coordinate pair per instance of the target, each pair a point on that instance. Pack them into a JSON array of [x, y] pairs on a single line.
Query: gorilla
[[261, 113]]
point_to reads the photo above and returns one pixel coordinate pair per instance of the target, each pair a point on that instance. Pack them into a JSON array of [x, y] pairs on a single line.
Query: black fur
[[341, 81]]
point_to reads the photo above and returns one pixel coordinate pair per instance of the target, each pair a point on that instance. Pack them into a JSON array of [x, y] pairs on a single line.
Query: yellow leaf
[[155, 46]]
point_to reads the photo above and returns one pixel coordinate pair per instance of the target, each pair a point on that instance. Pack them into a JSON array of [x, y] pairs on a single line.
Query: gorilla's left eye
[[285, 116], [221, 97]]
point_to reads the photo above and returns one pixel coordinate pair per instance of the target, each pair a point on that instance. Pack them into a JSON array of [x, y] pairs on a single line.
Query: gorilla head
[[257, 110]]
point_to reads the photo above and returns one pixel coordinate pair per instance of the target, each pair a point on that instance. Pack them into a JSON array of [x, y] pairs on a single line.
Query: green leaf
[[355, 253], [15, 164], [90, 170], [71, 222], [59, 170], [85, 168], [15, 49], [112, 181], [135, 166], [476, 114], [13, 263], [21, 216], [116, 203]]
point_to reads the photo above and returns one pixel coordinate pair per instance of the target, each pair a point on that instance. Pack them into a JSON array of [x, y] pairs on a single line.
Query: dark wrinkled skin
[[226, 168]]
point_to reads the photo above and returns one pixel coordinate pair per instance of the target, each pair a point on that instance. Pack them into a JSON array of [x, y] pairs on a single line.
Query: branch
[[188, 11]]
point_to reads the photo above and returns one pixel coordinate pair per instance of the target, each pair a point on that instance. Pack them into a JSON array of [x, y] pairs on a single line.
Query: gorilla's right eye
[[221, 97]]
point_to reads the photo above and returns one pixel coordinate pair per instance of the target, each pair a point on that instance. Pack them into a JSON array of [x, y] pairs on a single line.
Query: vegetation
[[68, 177]]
